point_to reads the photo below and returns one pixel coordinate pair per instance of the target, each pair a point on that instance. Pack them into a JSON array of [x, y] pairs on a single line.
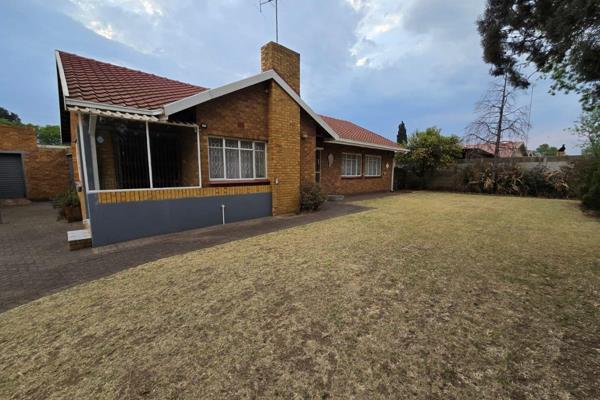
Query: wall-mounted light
[[203, 125]]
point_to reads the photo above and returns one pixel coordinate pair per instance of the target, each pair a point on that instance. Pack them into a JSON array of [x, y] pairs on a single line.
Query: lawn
[[426, 295]]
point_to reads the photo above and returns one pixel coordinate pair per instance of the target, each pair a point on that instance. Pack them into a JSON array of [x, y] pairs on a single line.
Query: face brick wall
[[333, 183], [284, 61], [284, 151], [240, 115], [307, 150], [46, 167]]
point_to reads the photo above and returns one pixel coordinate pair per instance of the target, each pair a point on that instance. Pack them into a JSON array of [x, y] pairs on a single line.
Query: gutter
[[355, 143], [112, 107]]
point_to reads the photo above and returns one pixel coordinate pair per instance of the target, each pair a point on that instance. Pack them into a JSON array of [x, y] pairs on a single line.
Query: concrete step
[[79, 239]]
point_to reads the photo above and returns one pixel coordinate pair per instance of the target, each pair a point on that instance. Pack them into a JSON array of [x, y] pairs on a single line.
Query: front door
[[318, 166]]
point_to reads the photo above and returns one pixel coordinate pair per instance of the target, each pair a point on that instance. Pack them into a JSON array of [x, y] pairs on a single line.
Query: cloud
[[375, 62], [120, 20]]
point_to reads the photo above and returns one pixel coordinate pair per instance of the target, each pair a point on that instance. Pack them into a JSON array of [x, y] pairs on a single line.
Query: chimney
[[284, 61]]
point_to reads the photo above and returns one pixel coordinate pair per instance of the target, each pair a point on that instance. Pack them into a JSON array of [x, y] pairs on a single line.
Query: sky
[[374, 62]]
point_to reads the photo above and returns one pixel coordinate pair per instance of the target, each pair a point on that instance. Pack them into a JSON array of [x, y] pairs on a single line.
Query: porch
[[140, 177]]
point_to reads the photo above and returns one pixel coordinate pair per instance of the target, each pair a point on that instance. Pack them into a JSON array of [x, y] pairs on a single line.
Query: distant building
[[508, 149]]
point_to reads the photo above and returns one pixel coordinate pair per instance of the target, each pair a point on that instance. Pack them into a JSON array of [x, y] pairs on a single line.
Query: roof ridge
[[61, 52]]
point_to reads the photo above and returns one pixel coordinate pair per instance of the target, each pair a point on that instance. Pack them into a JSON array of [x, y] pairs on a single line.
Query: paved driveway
[[35, 260]]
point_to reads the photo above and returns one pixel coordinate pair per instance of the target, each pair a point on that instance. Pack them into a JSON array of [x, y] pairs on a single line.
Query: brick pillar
[[284, 150], [284, 61]]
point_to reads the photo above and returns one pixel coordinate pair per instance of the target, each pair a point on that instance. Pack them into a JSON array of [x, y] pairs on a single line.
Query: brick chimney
[[284, 61]]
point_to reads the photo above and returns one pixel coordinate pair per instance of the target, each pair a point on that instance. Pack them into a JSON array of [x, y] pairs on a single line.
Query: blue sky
[[375, 62]]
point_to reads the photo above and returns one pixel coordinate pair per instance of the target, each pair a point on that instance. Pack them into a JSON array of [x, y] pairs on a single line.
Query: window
[[351, 164], [372, 165], [136, 155], [236, 159], [318, 166]]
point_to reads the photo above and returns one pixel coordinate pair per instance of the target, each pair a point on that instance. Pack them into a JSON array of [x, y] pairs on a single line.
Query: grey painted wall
[[112, 223]]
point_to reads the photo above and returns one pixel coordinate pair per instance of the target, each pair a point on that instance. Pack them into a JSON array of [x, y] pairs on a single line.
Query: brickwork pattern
[[308, 132], [332, 181], [111, 197], [284, 154], [284, 61], [46, 168], [239, 115]]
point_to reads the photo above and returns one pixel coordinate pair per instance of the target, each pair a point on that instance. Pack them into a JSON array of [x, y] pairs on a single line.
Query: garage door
[[12, 181]]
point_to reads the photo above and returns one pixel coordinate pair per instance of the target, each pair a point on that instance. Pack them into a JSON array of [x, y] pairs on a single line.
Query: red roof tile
[[507, 148], [350, 131], [100, 82]]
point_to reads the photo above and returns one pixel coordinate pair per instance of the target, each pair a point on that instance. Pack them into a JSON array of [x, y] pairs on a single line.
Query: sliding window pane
[[260, 164], [174, 152], [246, 160], [121, 154], [232, 163]]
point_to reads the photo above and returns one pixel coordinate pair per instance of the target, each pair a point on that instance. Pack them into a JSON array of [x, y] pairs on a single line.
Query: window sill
[[352, 177], [372, 176], [238, 182]]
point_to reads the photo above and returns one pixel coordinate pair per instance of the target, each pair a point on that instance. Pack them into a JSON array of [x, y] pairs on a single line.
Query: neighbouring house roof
[[507, 149], [88, 84]]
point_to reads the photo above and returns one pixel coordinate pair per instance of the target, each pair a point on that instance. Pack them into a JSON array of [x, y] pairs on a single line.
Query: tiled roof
[[350, 131], [507, 148], [100, 82]]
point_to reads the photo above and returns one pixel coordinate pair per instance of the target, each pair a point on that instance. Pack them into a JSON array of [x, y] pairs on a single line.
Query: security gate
[[12, 178]]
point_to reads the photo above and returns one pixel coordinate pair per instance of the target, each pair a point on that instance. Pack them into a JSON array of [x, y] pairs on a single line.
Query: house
[[154, 155], [508, 149], [31, 170]]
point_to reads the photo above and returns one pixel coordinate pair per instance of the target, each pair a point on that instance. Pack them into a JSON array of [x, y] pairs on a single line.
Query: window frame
[[380, 158], [224, 147], [360, 166], [91, 131]]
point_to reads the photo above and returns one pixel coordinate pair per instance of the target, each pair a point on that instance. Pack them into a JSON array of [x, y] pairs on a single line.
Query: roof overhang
[[355, 143]]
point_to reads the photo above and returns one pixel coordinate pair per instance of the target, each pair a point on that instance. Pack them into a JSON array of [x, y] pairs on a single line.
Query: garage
[[12, 178]]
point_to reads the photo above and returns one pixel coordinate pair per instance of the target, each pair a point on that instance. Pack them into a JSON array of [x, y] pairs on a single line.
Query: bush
[[480, 178], [511, 179], [68, 198], [543, 182], [589, 189], [312, 197]]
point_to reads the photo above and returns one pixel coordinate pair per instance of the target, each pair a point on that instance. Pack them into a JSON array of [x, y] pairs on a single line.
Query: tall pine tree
[[401, 137]]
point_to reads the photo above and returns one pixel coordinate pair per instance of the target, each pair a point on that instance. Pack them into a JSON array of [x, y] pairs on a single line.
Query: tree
[[9, 117], [588, 127], [546, 150], [429, 150], [48, 134], [499, 118], [558, 38], [401, 137]]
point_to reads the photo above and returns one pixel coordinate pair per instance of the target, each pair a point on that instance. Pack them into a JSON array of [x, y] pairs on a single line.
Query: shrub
[[312, 197], [67, 198], [511, 179], [590, 179], [543, 182]]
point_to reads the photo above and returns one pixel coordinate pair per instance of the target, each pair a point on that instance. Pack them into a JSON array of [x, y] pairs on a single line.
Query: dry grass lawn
[[427, 295]]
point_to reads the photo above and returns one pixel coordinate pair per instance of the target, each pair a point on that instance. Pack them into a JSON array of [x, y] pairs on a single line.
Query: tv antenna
[[262, 3]]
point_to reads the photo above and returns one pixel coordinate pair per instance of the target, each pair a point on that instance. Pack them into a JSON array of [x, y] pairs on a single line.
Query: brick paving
[[35, 260]]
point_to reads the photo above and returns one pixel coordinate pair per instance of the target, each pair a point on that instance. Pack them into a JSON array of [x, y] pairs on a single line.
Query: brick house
[[28, 169], [154, 155]]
